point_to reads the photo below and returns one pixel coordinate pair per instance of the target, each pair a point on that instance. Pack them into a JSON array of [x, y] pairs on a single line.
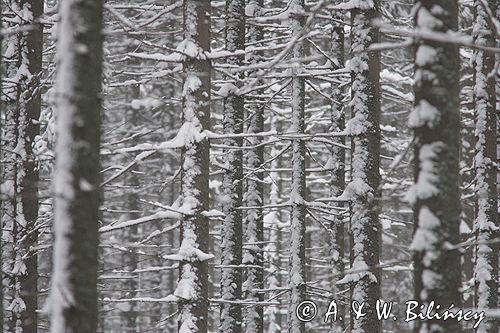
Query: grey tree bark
[[365, 162], [297, 264], [486, 222], [337, 230], [20, 210], [254, 194], [130, 258], [73, 298], [1, 194]]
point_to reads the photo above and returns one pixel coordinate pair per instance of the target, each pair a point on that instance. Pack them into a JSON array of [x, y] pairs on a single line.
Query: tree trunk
[[23, 104], [272, 221], [130, 257], [254, 195], [297, 278], [2, 179], [192, 288], [365, 162], [232, 227], [486, 222], [73, 299], [336, 237], [435, 120]]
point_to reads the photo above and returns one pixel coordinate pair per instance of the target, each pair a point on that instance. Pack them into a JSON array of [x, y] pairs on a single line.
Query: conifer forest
[[250, 166]]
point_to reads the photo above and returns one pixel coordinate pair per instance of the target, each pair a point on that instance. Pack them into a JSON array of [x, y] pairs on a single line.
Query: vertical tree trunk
[[486, 222], [73, 299], [20, 210], [2, 179], [131, 235], [297, 278], [365, 162], [336, 238], [254, 195], [436, 123], [192, 289], [232, 227], [272, 221]]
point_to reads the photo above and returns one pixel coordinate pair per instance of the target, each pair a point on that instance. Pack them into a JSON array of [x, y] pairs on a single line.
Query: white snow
[[424, 113]]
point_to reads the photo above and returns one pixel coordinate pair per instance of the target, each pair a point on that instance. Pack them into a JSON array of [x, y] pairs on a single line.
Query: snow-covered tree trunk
[[23, 57], [192, 287], [272, 221], [254, 194], [73, 294], [297, 265], [232, 227], [1, 187], [365, 162], [486, 222], [435, 120], [337, 162], [497, 86]]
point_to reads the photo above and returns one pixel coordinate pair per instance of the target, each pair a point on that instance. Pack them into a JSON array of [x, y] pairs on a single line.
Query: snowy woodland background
[[207, 165]]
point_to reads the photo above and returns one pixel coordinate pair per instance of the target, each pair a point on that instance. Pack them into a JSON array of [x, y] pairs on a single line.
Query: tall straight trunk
[[435, 120], [254, 195], [232, 227], [73, 299], [20, 210], [497, 86], [336, 237], [365, 162], [131, 235], [297, 265], [486, 222], [1, 194], [272, 221], [192, 288]]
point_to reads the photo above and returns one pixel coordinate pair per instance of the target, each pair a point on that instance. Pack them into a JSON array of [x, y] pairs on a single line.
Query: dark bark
[[131, 235], [232, 227], [436, 123], [193, 270], [365, 163]]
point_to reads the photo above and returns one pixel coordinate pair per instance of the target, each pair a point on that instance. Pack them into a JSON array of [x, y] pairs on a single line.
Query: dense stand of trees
[[202, 166]]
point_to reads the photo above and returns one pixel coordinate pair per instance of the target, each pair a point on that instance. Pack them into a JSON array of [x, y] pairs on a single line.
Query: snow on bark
[[497, 86], [192, 287], [435, 194], [73, 300], [2, 232], [272, 222], [232, 227], [297, 273], [365, 161], [20, 174], [254, 194], [337, 161], [486, 222]]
